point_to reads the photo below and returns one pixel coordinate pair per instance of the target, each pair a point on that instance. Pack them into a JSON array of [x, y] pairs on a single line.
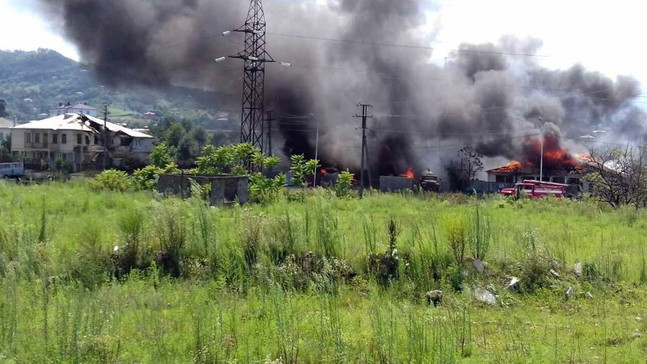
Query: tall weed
[[170, 232], [457, 236]]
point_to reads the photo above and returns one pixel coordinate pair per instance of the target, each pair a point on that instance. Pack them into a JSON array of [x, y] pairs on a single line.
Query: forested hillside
[[33, 83]]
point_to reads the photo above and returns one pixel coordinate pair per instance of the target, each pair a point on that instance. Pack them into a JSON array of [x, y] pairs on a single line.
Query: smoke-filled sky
[[477, 86]]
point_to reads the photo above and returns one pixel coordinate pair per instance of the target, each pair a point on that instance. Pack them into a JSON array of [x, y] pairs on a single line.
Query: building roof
[[78, 122], [115, 128], [59, 122], [6, 123]]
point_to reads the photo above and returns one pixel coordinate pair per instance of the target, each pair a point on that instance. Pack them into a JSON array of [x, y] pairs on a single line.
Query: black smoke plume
[[488, 96]]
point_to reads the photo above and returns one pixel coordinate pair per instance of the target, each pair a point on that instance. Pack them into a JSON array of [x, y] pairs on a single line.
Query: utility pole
[[269, 133], [105, 136], [314, 181], [364, 116], [541, 160]]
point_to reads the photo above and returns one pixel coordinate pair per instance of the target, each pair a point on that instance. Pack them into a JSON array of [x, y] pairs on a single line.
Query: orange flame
[[510, 167], [409, 173]]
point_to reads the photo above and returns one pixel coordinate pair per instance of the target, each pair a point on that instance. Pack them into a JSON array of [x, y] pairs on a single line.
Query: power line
[[396, 45]]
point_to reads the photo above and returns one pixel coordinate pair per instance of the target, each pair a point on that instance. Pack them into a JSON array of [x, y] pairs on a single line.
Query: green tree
[[200, 136], [188, 148], [174, 134], [220, 139], [302, 168], [162, 155], [3, 108], [5, 151]]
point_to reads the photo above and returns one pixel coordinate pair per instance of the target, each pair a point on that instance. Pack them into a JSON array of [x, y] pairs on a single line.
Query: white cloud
[[602, 36], [26, 31]]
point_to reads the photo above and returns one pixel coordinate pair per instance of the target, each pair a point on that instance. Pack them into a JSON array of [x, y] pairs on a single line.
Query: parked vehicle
[[429, 182], [12, 170], [536, 189]]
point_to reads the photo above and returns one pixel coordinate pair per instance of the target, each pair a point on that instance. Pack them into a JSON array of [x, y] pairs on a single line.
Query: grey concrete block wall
[[395, 183], [224, 189]]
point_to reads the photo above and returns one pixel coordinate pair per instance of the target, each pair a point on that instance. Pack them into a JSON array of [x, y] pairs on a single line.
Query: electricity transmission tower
[[254, 56]]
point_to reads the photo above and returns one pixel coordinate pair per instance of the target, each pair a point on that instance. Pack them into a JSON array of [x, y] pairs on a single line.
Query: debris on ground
[[514, 284], [569, 292], [484, 295], [478, 265], [434, 297]]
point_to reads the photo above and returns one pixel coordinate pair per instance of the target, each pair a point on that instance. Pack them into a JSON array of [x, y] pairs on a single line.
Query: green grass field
[[133, 277]]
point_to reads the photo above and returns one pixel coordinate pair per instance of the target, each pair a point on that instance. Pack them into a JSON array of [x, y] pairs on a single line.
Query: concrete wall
[[395, 184], [224, 189]]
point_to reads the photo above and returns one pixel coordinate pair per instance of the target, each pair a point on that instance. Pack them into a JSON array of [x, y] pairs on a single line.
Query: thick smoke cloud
[[489, 96]]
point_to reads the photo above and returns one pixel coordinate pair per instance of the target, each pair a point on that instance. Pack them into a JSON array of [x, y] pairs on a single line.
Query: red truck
[[536, 189]]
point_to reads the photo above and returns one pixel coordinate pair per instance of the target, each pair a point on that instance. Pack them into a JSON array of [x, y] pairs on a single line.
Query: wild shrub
[[253, 226], [112, 180], [344, 184], [301, 169], [535, 264], [462, 325], [92, 265], [457, 236], [145, 179], [170, 233], [265, 190], [480, 234], [200, 192], [370, 235], [327, 225], [455, 276], [284, 239], [385, 267], [131, 226]]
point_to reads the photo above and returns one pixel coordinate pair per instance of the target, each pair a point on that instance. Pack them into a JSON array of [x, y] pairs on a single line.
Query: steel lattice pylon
[[255, 57]]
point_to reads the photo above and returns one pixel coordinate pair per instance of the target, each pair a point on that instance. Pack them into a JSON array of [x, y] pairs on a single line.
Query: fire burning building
[[559, 165]]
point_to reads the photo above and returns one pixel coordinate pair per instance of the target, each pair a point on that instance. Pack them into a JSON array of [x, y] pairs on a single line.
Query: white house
[[5, 128], [76, 138]]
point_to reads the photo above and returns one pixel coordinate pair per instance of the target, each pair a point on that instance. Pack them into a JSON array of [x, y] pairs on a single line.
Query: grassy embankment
[[248, 288]]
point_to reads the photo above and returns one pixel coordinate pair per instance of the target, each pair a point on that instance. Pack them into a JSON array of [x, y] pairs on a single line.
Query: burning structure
[[559, 165], [487, 96]]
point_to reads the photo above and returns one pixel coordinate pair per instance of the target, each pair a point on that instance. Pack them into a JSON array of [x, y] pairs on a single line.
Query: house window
[[96, 140], [54, 138], [63, 138], [87, 140], [45, 138], [36, 138], [27, 137], [79, 139]]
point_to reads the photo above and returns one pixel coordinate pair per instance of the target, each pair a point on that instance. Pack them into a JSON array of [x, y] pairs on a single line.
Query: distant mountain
[[33, 83]]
